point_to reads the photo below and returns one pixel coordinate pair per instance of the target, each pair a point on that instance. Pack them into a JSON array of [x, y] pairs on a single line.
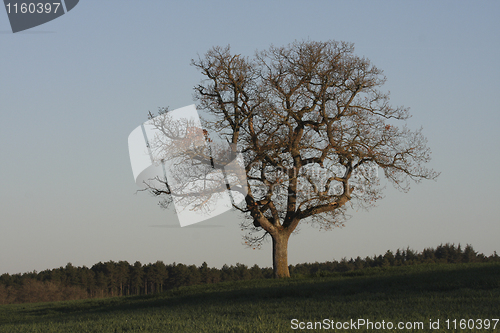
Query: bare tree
[[313, 126]]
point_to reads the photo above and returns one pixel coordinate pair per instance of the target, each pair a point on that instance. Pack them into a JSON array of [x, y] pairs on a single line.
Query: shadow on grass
[[392, 283]]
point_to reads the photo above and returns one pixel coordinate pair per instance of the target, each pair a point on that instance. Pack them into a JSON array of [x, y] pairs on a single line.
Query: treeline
[[121, 278], [115, 279], [443, 254]]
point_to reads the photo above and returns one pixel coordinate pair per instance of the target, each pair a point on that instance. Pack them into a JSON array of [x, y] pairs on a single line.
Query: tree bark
[[280, 254]]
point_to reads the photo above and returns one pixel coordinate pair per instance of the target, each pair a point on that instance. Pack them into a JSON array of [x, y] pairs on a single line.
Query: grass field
[[410, 295]]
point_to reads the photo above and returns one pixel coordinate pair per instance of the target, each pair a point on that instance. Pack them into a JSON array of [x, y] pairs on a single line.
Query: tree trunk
[[280, 254]]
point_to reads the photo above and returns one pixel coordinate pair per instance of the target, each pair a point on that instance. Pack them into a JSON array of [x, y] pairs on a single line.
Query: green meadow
[[416, 296]]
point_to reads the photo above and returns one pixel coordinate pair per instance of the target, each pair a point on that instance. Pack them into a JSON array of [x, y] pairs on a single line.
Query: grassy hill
[[412, 295]]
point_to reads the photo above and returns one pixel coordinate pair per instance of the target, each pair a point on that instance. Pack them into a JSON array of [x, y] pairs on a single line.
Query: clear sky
[[73, 89]]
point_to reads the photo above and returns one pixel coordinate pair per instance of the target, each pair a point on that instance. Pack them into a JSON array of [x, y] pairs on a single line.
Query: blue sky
[[73, 89]]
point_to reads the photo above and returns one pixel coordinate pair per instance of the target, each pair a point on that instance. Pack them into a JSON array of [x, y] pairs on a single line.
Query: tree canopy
[[314, 128]]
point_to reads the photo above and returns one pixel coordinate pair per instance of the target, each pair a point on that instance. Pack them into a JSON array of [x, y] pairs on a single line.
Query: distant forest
[[121, 278]]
